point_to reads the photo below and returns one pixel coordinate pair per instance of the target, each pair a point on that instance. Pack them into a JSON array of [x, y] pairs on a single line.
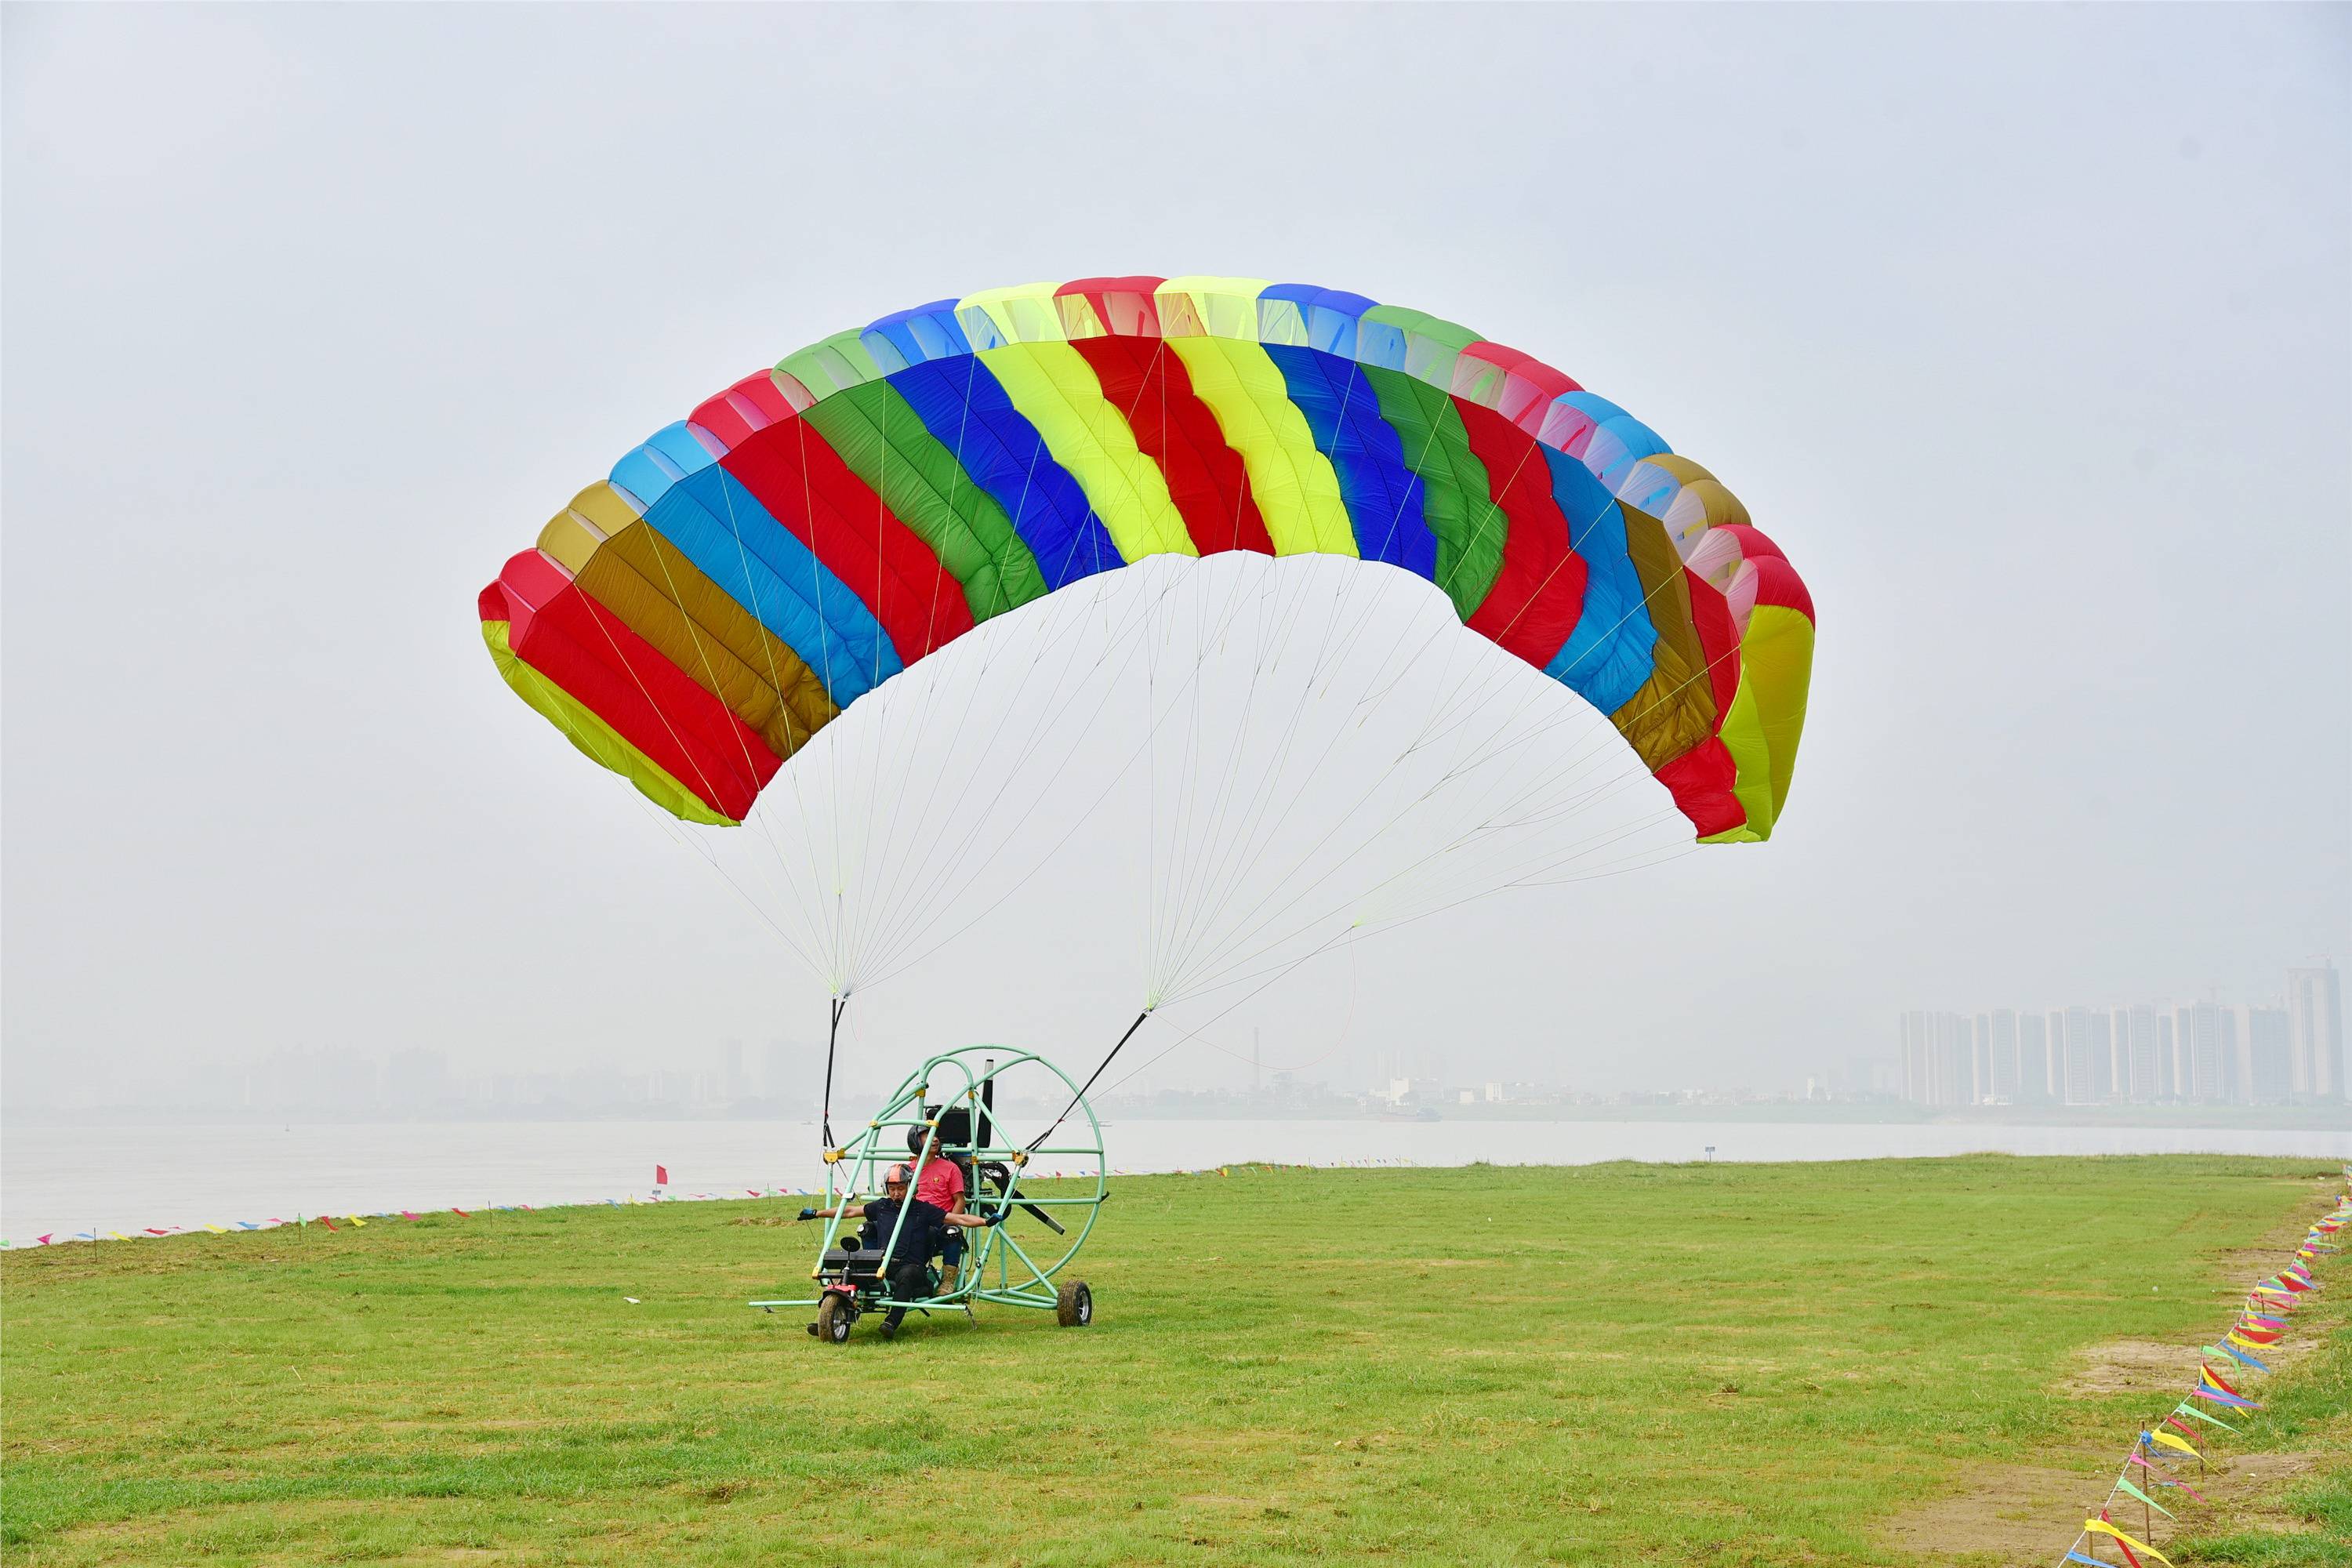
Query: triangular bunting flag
[[2185, 1408], [2235, 1354], [2101, 1527]]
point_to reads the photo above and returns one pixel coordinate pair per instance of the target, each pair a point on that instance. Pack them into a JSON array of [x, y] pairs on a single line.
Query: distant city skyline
[[2288, 1049]]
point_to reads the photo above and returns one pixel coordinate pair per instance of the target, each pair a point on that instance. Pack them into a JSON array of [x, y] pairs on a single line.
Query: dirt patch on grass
[[2131, 1366], [2017, 1511], [2028, 1513]]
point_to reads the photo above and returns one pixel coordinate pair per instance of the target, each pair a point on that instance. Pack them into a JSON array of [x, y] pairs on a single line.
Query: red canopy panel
[[1206, 478], [588, 652], [1539, 593]]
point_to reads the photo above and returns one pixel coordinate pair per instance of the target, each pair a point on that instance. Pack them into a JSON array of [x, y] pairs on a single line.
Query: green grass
[[1605, 1364]]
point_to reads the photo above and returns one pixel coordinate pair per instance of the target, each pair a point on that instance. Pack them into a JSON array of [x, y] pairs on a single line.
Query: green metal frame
[[1018, 1277]]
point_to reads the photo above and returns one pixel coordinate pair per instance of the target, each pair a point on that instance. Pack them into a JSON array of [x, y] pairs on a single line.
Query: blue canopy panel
[[1609, 654], [912, 337], [1330, 314], [1618, 440], [965, 409], [666, 456], [733, 540], [1383, 496]]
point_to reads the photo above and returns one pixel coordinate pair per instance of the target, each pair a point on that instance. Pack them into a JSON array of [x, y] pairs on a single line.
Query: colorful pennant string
[[2259, 1323]]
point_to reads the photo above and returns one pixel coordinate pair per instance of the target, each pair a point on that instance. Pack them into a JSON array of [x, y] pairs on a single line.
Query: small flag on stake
[[661, 1175]]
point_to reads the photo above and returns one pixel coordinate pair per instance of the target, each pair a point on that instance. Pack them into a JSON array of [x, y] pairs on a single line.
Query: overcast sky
[[2027, 332]]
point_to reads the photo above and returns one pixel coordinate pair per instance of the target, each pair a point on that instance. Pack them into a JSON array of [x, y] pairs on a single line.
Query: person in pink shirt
[[940, 1183]]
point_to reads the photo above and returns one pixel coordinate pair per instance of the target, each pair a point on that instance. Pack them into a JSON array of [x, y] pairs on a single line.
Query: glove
[[808, 1214], [996, 1218]]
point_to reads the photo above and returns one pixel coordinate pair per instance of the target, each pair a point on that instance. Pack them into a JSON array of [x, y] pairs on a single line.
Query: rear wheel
[[1074, 1304], [834, 1314]]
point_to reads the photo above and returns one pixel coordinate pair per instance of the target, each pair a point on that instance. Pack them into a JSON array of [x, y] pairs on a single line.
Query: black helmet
[[898, 1175]]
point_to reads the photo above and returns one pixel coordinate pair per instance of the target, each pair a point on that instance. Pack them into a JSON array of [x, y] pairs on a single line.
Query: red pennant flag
[[325, 1221], [661, 1175], [461, 1213]]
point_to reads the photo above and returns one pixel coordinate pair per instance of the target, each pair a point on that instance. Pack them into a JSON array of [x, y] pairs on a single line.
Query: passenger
[[942, 1186]]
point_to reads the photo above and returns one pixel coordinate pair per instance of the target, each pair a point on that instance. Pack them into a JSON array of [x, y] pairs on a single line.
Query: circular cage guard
[[973, 1095]]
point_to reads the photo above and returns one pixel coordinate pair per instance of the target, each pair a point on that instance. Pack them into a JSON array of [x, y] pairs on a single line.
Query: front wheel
[[1074, 1305], [834, 1314]]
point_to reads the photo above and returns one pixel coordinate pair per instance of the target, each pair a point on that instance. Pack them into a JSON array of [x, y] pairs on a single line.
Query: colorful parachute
[[753, 569]]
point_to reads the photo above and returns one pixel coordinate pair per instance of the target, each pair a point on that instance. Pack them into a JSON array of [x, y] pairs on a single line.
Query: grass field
[[1818, 1364]]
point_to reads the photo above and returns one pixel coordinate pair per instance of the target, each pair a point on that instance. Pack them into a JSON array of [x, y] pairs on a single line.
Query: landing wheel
[[834, 1314], [1074, 1304]]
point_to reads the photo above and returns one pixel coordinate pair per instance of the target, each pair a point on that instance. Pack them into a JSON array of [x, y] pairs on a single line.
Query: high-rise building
[[2213, 1036], [2100, 1031], [1939, 1055], [2053, 1086], [2119, 1052], [2033, 1058], [2004, 1056], [1981, 1059], [2270, 1068], [2315, 1008], [2184, 1057], [1913, 1043], [2139, 1025], [1957, 1034], [2084, 1054], [2167, 1082]]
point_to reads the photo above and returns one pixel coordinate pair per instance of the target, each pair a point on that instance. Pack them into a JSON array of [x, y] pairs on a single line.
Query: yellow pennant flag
[[217, 1230], [2170, 1441], [2101, 1527], [355, 1220]]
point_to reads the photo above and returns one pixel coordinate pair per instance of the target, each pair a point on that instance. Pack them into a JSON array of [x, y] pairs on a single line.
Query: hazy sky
[[2026, 331]]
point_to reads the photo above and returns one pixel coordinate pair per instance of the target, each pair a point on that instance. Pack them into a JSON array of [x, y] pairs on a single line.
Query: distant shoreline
[[2254, 1117]]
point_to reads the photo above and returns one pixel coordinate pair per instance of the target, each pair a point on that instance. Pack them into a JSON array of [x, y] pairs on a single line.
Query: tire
[[834, 1315], [1074, 1305]]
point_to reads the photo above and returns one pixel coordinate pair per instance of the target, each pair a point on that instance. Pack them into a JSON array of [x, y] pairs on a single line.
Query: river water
[[64, 1180]]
